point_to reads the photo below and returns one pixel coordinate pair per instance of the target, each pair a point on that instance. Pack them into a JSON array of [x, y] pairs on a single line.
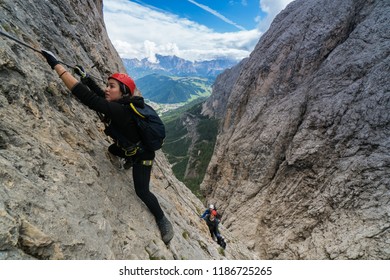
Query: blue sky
[[190, 29], [221, 16]]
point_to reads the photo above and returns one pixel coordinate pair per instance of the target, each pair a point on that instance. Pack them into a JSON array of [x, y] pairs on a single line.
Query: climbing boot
[[166, 229]]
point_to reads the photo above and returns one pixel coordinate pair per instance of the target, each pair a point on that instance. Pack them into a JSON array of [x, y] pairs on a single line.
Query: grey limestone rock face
[[304, 151], [215, 105], [60, 197]]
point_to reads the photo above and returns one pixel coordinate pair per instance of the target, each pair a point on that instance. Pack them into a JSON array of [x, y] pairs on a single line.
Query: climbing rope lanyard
[[28, 46], [40, 51]]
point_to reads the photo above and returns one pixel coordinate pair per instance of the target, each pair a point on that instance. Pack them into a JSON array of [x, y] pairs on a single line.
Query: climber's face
[[113, 91]]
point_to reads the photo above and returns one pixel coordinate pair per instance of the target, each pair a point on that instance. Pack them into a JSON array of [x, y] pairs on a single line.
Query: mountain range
[[173, 80], [176, 66]]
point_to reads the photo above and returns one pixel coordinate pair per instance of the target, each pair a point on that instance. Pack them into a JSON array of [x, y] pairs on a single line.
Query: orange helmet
[[214, 213], [124, 79]]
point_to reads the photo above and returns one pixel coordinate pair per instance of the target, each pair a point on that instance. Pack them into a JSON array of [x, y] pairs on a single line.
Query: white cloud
[[141, 31], [272, 8]]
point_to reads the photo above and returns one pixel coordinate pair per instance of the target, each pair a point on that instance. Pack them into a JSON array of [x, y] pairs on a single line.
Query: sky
[[195, 30]]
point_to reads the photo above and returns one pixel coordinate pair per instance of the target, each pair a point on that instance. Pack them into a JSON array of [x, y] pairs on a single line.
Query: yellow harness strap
[[132, 152], [147, 162]]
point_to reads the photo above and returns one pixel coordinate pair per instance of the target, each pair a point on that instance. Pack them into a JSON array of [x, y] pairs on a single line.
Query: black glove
[[79, 70], [50, 57]]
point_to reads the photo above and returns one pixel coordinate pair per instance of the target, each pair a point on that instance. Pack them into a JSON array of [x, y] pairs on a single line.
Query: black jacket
[[118, 114]]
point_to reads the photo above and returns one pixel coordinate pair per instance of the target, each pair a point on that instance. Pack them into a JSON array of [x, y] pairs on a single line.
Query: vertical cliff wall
[[301, 169], [60, 197]]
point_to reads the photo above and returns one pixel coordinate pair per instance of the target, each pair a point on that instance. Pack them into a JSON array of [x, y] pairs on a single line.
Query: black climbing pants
[[141, 178]]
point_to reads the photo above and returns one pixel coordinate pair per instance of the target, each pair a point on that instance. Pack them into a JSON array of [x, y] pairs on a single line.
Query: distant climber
[[212, 222], [207, 211], [114, 104]]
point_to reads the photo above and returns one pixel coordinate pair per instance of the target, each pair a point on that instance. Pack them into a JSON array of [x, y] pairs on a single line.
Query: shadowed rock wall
[[303, 159]]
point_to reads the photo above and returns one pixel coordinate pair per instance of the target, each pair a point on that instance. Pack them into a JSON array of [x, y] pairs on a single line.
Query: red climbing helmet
[[214, 213], [125, 79]]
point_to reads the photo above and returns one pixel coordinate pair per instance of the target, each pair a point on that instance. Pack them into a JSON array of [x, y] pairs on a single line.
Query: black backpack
[[150, 127]]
